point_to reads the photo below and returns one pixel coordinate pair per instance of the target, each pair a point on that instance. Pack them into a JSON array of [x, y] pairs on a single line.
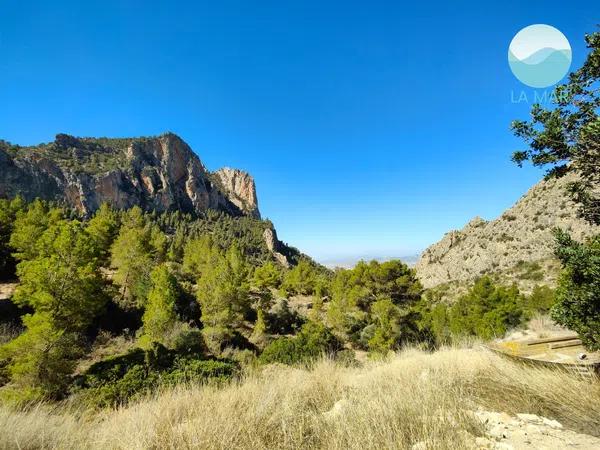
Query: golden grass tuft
[[415, 397]]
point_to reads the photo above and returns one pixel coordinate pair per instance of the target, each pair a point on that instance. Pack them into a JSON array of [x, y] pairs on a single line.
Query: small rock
[[419, 446], [503, 446], [498, 431], [529, 418], [552, 423]]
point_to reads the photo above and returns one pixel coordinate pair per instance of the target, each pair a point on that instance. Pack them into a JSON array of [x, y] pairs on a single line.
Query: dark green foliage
[[190, 370], [223, 294], [567, 139], [541, 300], [578, 294], [301, 279], [354, 293], [89, 155], [283, 320], [8, 214], [125, 378], [61, 282], [313, 341], [160, 316], [102, 228], [139, 246], [486, 311], [142, 275], [386, 330], [133, 384]]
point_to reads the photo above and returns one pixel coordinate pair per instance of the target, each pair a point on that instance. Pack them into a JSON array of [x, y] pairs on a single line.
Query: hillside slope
[[518, 244], [416, 400]]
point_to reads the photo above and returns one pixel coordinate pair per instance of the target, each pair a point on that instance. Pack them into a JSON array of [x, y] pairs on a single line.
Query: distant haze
[[349, 262]]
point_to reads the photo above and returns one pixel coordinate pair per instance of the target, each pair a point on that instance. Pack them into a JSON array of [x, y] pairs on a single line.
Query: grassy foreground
[[414, 397]]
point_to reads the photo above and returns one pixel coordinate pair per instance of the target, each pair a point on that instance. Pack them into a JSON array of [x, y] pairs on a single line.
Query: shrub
[[122, 379], [313, 341], [195, 370], [486, 311]]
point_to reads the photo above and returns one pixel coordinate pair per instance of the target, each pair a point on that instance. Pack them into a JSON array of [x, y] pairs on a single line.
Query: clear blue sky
[[371, 128]]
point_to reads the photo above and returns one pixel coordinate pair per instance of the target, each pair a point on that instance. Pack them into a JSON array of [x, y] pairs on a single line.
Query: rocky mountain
[[240, 189], [516, 247], [157, 173]]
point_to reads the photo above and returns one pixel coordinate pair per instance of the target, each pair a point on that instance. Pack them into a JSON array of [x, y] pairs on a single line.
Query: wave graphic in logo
[[539, 56]]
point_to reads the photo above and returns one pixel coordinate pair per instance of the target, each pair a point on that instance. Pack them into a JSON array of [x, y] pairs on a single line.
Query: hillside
[[515, 247], [450, 399], [156, 173]]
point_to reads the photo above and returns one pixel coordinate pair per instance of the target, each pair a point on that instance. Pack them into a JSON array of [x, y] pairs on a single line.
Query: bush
[[134, 384], [313, 341], [125, 378], [541, 300], [283, 320], [186, 370], [486, 311]]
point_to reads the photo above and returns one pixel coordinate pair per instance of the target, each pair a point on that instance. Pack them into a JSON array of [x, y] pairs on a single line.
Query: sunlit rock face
[[156, 173], [522, 235]]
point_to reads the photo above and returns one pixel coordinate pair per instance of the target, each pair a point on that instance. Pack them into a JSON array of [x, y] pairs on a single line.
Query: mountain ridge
[[517, 246], [158, 173]]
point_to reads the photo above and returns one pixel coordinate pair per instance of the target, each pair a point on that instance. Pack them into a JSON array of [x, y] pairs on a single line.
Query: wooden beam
[[568, 337], [573, 343]]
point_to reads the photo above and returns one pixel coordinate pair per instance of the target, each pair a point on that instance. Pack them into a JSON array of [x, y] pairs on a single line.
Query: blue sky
[[371, 128]]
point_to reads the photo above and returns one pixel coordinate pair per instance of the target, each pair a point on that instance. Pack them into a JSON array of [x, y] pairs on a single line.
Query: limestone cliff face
[[240, 188], [520, 237], [275, 246], [158, 173]]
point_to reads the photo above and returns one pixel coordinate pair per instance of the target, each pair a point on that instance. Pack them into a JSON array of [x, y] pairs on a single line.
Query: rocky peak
[[156, 173], [518, 246], [240, 188]]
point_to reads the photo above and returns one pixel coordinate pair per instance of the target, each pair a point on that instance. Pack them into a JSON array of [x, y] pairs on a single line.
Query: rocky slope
[[240, 189], [157, 173], [517, 245]]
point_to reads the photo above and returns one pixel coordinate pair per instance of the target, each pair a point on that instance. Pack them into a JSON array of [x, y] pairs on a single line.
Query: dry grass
[[415, 397], [543, 326]]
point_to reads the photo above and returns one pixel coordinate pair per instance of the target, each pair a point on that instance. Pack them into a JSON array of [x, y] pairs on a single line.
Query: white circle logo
[[539, 56]]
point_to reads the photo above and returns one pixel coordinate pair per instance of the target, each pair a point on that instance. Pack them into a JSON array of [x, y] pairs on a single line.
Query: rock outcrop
[[275, 246], [240, 188], [157, 173], [521, 238]]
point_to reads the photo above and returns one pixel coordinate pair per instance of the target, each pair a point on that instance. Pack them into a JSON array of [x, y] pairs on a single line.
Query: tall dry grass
[[413, 398]]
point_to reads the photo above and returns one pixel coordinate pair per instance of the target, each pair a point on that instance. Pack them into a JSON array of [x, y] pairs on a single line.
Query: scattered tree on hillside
[[62, 284], [578, 292], [354, 292], [223, 294], [159, 316], [103, 227], [138, 247], [8, 215], [300, 279]]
